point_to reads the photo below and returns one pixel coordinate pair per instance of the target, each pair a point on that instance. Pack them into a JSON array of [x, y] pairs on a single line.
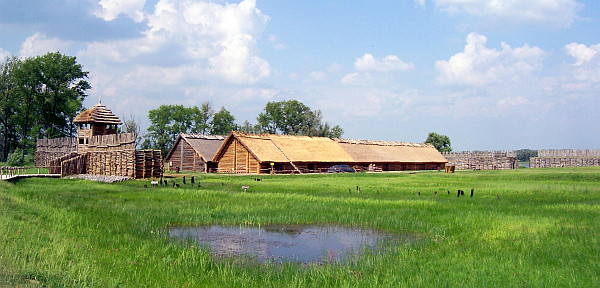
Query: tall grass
[[526, 227]]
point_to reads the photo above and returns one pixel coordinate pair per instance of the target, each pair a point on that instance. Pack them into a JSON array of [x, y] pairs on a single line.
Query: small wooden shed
[[193, 152]]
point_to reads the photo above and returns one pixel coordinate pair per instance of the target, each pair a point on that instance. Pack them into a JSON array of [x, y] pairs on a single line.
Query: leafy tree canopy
[[222, 123], [39, 98], [292, 117], [525, 154], [440, 142]]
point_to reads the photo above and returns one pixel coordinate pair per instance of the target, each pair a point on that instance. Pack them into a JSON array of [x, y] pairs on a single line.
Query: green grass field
[[542, 231]]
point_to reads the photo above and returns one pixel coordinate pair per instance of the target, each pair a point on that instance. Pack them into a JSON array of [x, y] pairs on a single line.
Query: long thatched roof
[[98, 114], [286, 148]]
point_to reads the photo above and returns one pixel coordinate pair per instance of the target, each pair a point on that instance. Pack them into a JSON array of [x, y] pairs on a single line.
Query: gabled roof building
[[193, 152], [267, 153]]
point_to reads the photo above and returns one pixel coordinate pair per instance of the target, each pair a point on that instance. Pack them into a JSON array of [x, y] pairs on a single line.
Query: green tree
[[166, 122], [247, 128], [270, 120], [130, 125], [336, 132], [202, 118], [525, 154], [8, 106], [440, 142], [222, 122], [46, 92], [292, 117], [61, 93]]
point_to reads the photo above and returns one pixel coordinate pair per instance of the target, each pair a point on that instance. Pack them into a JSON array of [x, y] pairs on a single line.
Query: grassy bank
[[526, 227]]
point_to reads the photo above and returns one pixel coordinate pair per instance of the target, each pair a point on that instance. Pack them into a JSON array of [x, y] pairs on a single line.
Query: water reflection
[[302, 244]]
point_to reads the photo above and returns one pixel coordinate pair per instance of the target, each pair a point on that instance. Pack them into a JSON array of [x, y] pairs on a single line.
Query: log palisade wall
[[483, 160], [49, 149], [111, 155], [566, 158]]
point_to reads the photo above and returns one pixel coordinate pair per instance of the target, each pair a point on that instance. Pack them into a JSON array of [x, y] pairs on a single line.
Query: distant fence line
[[481, 154], [566, 158], [482, 160], [570, 153]]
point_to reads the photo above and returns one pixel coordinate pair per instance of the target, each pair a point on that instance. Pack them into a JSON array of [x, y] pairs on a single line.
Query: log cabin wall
[[238, 159], [185, 158]]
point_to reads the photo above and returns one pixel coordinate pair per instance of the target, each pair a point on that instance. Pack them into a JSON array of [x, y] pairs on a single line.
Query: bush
[[16, 158]]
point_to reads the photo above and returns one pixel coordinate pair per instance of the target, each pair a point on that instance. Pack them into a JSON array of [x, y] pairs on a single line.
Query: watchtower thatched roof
[[97, 114]]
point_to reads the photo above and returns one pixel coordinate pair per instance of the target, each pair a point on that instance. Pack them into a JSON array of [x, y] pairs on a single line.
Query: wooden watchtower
[[97, 120]]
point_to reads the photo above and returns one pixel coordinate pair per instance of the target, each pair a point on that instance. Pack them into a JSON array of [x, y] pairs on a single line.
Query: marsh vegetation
[[525, 227]]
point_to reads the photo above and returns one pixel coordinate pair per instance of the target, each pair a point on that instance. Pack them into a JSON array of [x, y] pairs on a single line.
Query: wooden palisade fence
[[483, 160], [111, 155], [566, 158]]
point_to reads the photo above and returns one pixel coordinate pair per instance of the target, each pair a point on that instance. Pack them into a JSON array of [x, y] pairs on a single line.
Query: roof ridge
[[202, 136], [381, 143]]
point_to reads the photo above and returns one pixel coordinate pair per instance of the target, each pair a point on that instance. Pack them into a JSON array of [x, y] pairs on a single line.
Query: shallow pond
[[303, 244]]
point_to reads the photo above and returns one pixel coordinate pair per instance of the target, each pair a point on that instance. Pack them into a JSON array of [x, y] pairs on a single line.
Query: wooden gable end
[[184, 157], [236, 158]]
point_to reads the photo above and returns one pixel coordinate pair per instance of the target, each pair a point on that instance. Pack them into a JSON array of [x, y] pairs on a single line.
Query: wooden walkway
[[23, 176], [16, 173]]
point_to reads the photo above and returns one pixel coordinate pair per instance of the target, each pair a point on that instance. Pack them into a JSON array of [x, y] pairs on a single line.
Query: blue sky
[[492, 75]]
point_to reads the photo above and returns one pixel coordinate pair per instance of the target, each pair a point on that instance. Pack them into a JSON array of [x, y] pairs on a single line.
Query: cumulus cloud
[[185, 43], [225, 36], [586, 70], [389, 63], [420, 2], [110, 9], [367, 65], [559, 12], [3, 54], [39, 44], [478, 65], [317, 75], [582, 53]]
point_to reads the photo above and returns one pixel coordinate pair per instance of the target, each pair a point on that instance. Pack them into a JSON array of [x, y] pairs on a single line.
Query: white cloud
[[275, 42], [389, 63], [582, 53], [585, 73], [110, 9], [224, 36], [420, 2], [39, 44], [4, 54], [371, 71], [317, 75], [511, 102], [478, 65], [356, 78], [559, 12]]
